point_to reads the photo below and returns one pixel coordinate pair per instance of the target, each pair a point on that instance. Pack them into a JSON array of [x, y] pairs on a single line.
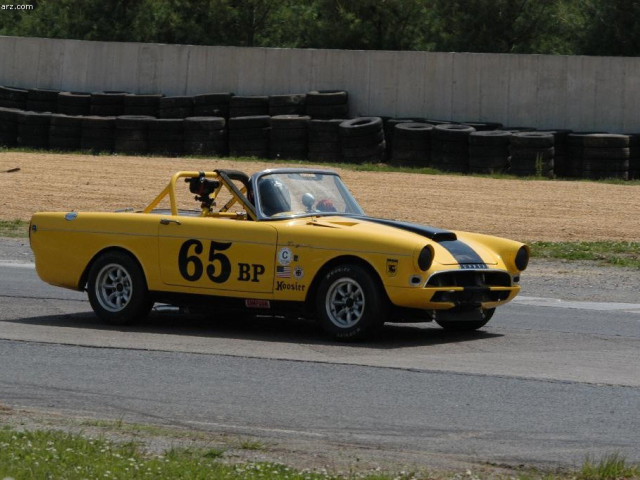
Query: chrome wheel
[[113, 287], [345, 303]]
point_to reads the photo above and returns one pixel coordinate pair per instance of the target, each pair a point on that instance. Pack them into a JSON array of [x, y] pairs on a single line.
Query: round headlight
[[522, 258], [425, 259]]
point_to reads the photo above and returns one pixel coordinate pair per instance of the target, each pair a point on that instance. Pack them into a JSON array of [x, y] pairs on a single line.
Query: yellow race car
[[287, 241]]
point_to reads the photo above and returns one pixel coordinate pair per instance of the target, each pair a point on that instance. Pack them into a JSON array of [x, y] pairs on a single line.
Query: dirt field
[[523, 210]]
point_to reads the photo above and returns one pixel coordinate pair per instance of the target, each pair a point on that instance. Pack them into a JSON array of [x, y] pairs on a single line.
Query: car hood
[[463, 250]]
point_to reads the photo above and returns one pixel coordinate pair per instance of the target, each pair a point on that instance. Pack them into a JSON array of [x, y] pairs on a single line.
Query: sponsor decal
[[285, 256], [283, 272], [392, 267], [292, 287], [256, 303], [298, 273]]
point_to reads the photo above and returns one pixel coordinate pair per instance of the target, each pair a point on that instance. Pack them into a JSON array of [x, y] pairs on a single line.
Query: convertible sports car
[[285, 241]]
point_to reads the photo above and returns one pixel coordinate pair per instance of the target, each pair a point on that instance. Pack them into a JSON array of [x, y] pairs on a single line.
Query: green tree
[[614, 28]]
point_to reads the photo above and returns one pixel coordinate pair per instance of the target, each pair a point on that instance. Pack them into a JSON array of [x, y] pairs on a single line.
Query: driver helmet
[[274, 196]]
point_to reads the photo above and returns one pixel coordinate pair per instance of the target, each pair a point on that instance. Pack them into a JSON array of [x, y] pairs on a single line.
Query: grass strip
[[619, 254], [14, 228], [58, 454]]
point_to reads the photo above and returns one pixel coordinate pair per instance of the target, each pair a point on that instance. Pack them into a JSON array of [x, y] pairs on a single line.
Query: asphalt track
[[547, 382]]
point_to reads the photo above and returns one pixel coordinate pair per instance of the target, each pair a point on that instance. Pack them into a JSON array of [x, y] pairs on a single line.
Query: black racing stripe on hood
[[459, 250], [463, 253], [432, 233]]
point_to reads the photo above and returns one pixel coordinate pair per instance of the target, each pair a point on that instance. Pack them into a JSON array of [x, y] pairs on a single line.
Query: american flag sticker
[[283, 272]]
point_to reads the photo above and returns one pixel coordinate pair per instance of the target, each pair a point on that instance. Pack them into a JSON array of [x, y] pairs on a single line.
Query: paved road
[[547, 381]]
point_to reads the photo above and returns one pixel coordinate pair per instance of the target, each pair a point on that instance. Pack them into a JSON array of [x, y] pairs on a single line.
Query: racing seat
[[274, 197]]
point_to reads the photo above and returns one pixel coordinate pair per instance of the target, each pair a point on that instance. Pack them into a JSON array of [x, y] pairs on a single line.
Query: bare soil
[[520, 209]]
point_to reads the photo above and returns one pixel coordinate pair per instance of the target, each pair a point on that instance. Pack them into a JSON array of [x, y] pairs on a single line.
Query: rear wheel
[[117, 289], [349, 303], [464, 321]]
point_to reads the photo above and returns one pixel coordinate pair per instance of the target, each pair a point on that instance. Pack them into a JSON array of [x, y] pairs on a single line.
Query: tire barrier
[[165, 136], [212, 105], [450, 147], [287, 104], [314, 126], [65, 132], [42, 100], [327, 104], [33, 130], [362, 140], [249, 136], [9, 126], [634, 156], [248, 106], [11, 97], [606, 156], [107, 104], [175, 107], [98, 134], [289, 136], [141, 105], [531, 154], [131, 135], [324, 140], [205, 136], [411, 144], [489, 151]]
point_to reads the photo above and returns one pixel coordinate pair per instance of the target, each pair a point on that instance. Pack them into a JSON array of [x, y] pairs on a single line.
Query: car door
[[217, 255]]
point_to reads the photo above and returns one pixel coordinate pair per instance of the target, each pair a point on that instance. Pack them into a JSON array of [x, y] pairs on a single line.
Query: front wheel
[[464, 321], [349, 303], [117, 289]]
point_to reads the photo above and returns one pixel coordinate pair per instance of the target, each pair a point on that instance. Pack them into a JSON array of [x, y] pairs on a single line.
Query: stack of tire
[[33, 129], [606, 156], [249, 136], [484, 126], [390, 129], [561, 151], [98, 134], [205, 136], [74, 103], [107, 104], [65, 132], [141, 105], [634, 156], [131, 134], [248, 106], [362, 140], [327, 104], [412, 144], [9, 126], [489, 151], [531, 154], [287, 104], [450, 147], [289, 136], [175, 107], [212, 105], [11, 97], [42, 100], [324, 140], [166, 136]]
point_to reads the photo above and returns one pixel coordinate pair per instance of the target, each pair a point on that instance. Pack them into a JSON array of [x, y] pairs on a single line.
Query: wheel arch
[[341, 260], [84, 278]]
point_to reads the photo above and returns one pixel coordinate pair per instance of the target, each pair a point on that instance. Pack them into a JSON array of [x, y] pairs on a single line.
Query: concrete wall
[[580, 93]]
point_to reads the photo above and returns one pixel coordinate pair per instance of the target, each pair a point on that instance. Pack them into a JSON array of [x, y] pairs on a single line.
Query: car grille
[[476, 286]]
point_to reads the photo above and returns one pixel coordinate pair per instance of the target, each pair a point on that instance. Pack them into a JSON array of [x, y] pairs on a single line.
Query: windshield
[[290, 193]]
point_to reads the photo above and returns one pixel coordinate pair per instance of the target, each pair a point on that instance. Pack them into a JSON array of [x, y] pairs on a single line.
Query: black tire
[[532, 140], [117, 289], [327, 97], [466, 325], [364, 305], [361, 126]]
